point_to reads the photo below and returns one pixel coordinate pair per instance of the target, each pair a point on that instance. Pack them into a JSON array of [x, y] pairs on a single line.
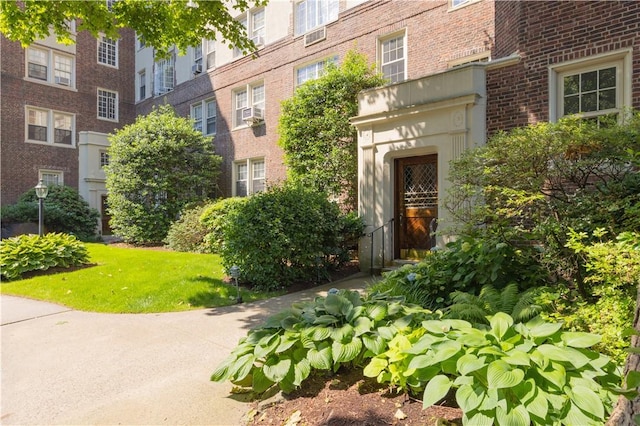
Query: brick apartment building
[[459, 70], [58, 105]]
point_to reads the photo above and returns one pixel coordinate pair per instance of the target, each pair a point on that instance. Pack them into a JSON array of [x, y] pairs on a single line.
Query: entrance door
[[106, 229], [416, 205]]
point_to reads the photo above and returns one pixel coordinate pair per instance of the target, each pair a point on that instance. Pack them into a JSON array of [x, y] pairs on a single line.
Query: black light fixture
[[234, 271], [41, 193]]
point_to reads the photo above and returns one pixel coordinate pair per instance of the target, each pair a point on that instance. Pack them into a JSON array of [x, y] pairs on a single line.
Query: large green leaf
[[377, 312], [343, 334], [469, 362], [587, 400], [260, 382], [325, 320], [502, 375], [575, 416], [387, 333], [355, 313], [538, 406], [345, 352], [539, 328], [436, 389], [436, 326], [421, 361], [362, 325], [242, 367], [266, 346], [375, 344], [564, 354], [320, 358], [580, 339], [445, 350], [500, 323], [276, 368], [302, 369], [375, 367], [516, 416], [318, 333], [469, 397], [554, 373], [424, 343], [286, 342], [517, 357], [477, 419], [473, 338]]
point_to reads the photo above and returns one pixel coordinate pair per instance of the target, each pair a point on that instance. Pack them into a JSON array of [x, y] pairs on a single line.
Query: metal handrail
[[370, 235]]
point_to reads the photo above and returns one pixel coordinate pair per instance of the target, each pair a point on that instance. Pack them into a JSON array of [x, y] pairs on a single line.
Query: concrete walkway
[[60, 366]]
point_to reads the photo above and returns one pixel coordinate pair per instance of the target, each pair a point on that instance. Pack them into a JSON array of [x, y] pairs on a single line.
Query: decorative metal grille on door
[[421, 186]]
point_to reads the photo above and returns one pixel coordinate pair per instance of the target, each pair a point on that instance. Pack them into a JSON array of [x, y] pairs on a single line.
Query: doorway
[[105, 218], [416, 205]]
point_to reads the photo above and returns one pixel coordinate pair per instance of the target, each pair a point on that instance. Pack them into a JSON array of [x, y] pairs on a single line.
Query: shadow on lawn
[[219, 294]]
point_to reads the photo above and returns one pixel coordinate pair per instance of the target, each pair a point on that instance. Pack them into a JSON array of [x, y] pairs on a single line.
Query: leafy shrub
[[612, 277], [188, 233], [32, 253], [522, 306], [504, 374], [340, 329], [466, 264], [213, 218], [282, 235], [64, 211], [157, 166]]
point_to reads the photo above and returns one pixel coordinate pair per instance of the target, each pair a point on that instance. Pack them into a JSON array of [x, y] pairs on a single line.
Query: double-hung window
[[594, 87], [50, 66], [142, 85], [254, 23], [197, 55], [250, 96], [249, 177], [393, 58], [51, 177], [48, 126], [313, 71], [107, 105], [108, 51], [204, 116], [310, 14], [210, 46], [164, 75]]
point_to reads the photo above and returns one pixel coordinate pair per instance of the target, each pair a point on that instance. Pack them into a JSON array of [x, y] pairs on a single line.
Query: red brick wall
[[20, 161], [552, 33], [435, 36]]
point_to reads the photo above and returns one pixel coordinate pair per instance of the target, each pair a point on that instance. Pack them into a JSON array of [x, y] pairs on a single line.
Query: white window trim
[[60, 173], [117, 105], [461, 5], [51, 53], [249, 162], [50, 127], [209, 48], [170, 61], [250, 103], [309, 29], [329, 59], [387, 37], [622, 58], [139, 86], [117, 53], [103, 153]]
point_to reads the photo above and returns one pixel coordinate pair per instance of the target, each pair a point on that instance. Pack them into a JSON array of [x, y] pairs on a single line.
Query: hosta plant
[[342, 328], [506, 373], [32, 253]]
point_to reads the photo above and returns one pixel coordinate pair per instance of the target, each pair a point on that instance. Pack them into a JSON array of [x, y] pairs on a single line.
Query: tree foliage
[[539, 182], [320, 143], [161, 23], [157, 165]]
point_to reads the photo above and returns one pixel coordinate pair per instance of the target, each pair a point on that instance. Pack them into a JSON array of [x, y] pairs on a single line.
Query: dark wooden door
[[104, 209], [416, 205]]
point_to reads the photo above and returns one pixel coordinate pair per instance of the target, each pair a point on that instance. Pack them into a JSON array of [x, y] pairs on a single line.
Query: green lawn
[[131, 280]]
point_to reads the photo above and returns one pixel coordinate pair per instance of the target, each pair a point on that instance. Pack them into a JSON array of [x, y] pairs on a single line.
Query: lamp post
[[41, 193], [234, 271]]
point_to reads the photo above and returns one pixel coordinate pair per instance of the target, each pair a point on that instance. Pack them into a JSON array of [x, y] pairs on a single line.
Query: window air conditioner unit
[[252, 115], [258, 40], [196, 68], [315, 36], [64, 81]]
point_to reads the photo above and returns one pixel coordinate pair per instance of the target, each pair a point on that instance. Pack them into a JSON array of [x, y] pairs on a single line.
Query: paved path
[[60, 366]]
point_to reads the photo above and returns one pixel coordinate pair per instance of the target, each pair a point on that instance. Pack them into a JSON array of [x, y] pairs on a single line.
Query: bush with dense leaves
[[285, 234], [340, 329], [504, 374], [466, 265], [33, 253], [157, 166], [213, 218], [64, 211], [188, 232]]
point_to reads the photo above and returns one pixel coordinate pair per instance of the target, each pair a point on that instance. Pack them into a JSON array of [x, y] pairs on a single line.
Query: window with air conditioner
[[196, 68], [310, 14], [49, 127], [249, 104], [254, 23], [50, 66], [249, 177]]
